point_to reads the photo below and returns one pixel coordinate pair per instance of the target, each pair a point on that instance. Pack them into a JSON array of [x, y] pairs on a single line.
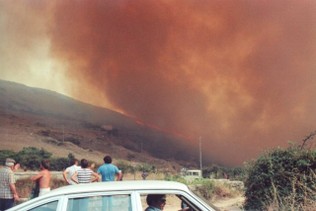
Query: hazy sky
[[240, 74]]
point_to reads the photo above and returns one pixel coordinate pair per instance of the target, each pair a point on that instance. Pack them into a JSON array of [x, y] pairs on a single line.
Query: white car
[[114, 196]]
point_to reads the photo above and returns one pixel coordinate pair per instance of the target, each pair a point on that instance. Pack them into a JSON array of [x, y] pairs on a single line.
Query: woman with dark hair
[[85, 174]]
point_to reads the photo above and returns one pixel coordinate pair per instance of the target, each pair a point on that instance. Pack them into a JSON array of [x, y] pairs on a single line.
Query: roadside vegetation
[[31, 157], [283, 179]]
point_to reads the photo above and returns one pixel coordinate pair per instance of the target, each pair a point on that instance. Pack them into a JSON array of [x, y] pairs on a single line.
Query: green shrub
[[30, 157], [59, 164], [6, 154], [222, 172], [206, 189], [176, 178], [283, 179]]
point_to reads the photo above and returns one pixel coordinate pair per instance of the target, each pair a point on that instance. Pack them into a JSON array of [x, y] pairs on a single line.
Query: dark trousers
[[6, 204]]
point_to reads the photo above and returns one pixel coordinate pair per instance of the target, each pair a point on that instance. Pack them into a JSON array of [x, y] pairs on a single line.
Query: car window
[[173, 202], [51, 206], [100, 203]]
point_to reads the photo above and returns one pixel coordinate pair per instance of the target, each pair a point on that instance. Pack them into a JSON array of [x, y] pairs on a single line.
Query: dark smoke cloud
[[240, 74]]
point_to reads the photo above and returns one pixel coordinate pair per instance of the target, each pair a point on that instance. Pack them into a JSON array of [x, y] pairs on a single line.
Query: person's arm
[[99, 174], [36, 177], [74, 177], [65, 176], [119, 176], [96, 177], [15, 193]]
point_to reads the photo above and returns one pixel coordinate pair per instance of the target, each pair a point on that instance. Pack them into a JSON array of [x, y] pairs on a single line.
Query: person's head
[[9, 162], [16, 166], [45, 164], [74, 162], [107, 159], [84, 163], [92, 166], [156, 200]]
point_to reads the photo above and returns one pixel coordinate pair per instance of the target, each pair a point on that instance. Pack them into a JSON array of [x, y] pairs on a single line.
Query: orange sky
[[240, 74]]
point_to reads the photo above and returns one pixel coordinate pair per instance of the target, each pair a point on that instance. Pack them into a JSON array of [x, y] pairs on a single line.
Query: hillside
[[62, 125]]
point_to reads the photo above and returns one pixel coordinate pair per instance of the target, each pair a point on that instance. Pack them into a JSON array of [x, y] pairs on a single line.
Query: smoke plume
[[240, 74]]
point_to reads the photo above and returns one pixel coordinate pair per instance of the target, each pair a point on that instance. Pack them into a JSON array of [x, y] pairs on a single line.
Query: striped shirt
[[84, 175], [6, 178]]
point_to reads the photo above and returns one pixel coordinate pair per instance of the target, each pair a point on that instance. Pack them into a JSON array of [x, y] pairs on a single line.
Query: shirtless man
[[43, 177]]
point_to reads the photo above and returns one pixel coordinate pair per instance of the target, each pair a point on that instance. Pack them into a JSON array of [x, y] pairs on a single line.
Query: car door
[[176, 200]]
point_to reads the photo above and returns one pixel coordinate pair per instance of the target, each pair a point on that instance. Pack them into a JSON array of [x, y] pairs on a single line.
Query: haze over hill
[[51, 119]]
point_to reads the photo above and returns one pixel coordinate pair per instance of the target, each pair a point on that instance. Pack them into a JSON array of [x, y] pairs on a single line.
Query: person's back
[[69, 171], [45, 179], [84, 174], [109, 171]]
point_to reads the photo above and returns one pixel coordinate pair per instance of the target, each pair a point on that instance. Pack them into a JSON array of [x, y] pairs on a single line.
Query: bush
[[283, 179], [30, 157], [206, 189], [59, 164], [177, 178], [221, 172], [126, 168]]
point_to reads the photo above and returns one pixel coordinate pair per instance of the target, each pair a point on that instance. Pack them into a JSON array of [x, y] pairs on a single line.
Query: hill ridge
[[53, 119]]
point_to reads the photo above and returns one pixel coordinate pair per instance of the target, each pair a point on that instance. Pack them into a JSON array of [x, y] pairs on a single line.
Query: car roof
[[119, 186], [128, 185]]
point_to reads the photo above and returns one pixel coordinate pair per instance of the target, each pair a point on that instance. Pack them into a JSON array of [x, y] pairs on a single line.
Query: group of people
[[84, 173], [74, 174]]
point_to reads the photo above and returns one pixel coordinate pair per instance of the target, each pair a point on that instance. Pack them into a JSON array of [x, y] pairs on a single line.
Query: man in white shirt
[[67, 174]]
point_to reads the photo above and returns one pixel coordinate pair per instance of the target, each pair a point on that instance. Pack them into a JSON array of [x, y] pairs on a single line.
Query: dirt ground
[[231, 204]]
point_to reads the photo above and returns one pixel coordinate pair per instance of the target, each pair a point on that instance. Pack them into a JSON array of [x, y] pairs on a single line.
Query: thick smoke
[[240, 74]]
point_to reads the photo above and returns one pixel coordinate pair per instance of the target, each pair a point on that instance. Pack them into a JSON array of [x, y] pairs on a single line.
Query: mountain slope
[[42, 118]]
